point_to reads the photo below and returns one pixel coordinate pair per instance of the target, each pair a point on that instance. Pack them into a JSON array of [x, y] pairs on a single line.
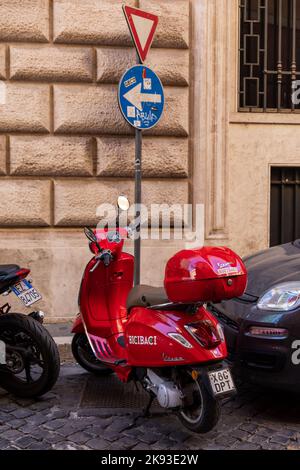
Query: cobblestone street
[[256, 419]]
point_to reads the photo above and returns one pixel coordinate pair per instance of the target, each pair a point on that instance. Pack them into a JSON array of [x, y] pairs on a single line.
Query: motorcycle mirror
[[90, 235], [123, 203]]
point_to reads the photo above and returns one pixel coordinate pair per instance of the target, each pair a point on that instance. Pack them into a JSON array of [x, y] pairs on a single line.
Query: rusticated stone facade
[[64, 146]]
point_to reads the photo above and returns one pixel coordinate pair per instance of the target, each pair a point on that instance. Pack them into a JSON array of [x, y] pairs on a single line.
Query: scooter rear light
[[205, 333], [22, 273]]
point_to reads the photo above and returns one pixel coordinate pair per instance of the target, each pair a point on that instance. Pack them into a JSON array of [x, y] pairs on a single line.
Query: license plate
[[26, 293], [221, 381]]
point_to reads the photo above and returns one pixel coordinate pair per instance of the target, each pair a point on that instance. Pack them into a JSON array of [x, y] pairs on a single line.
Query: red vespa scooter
[[163, 338]]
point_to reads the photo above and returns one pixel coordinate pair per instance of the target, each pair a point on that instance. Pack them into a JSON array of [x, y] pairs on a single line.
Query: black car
[[262, 328]]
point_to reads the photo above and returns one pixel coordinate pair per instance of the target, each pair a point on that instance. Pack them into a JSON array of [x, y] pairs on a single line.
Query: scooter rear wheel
[[202, 415], [85, 357]]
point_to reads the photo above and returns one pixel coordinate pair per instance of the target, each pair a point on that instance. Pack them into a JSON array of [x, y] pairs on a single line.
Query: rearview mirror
[[90, 234], [123, 203]]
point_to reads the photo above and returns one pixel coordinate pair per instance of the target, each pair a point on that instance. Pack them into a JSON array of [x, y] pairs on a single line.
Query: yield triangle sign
[[142, 26]]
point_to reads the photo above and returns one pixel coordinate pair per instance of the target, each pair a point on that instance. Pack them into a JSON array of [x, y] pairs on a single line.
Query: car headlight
[[284, 297]]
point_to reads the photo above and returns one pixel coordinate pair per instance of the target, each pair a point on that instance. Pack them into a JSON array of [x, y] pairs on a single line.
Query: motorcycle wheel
[[32, 357], [85, 357], [202, 415]]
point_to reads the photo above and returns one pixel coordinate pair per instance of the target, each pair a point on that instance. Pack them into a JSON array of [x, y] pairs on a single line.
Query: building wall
[[65, 149], [64, 146], [233, 152]]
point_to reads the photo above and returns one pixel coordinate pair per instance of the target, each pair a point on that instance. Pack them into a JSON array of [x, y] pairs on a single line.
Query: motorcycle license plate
[[221, 381], [26, 293]]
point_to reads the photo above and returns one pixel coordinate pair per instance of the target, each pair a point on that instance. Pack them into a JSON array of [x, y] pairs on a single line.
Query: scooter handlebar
[[105, 256]]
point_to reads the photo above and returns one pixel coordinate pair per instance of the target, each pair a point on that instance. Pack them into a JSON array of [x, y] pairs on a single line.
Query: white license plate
[[221, 381], [26, 293]]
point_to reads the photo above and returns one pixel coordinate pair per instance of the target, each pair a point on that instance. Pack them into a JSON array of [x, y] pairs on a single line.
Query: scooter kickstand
[[146, 413]]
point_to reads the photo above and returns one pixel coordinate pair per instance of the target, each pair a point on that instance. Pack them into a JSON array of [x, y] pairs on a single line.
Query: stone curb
[[64, 348]]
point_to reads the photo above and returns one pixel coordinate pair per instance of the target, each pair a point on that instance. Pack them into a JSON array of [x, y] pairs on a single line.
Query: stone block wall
[[64, 146], [62, 60]]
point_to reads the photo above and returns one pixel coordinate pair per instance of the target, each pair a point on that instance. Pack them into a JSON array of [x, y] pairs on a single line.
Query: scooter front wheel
[[202, 412], [32, 358], [85, 357]]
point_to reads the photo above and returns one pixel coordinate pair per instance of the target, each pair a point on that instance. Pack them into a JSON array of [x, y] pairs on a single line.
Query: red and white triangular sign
[[142, 26]]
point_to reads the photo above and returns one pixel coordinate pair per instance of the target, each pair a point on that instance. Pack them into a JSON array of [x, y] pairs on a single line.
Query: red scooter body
[[144, 336], [163, 350], [104, 317]]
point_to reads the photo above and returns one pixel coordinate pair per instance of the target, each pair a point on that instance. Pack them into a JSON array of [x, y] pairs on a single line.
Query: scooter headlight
[[284, 297]]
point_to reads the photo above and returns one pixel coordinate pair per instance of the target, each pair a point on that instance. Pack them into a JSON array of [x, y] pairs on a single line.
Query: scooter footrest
[[102, 349], [104, 352]]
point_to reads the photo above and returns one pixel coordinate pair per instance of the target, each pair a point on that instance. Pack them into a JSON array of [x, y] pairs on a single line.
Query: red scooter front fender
[[150, 339]]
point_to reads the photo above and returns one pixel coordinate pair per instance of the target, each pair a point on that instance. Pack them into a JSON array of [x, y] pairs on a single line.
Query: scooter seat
[[146, 296], [7, 269]]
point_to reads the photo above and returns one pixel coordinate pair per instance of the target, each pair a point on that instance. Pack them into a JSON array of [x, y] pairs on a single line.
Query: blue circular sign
[[141, 97]]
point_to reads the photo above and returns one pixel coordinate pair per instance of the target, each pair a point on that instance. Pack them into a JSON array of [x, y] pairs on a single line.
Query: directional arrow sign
[[141, 97], [136, 97], [142, 26]]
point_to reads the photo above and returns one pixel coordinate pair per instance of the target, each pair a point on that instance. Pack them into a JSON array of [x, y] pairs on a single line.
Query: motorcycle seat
[[146, 296], [7, 269]]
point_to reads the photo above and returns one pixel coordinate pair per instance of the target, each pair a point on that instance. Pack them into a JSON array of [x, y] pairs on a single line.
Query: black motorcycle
[[29, 358]]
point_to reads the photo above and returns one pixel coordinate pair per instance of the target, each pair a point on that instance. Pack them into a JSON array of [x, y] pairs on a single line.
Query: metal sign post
[[138, 199], [138, 202], [141, 101]]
